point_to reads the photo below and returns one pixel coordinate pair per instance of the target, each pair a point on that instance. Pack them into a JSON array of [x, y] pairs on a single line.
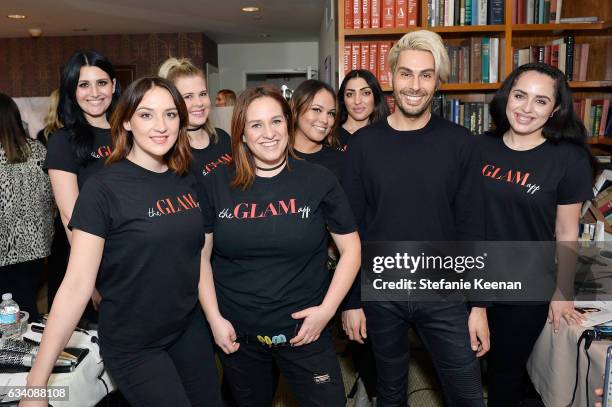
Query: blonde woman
[[210, 146]]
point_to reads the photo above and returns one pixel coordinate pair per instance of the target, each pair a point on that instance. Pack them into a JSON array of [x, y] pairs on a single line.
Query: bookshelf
[[598, 34]]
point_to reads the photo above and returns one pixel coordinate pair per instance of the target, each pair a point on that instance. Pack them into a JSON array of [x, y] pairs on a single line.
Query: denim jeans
[[443, 329]]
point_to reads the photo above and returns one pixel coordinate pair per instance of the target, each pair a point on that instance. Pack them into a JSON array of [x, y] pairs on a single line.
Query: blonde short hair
[[173, 69], [423, 40]]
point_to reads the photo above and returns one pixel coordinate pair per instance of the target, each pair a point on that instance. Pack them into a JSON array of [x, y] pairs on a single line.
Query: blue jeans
[[443, 329]]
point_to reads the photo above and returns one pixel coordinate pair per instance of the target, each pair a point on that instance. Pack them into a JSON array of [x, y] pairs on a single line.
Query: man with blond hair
[[415, 177]]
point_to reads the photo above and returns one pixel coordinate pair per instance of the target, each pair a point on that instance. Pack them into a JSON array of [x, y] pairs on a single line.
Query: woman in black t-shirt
[[313, 107], [88, 93], [361, 101], [271, 299], [138, 233], [537, 171], [210, 146]]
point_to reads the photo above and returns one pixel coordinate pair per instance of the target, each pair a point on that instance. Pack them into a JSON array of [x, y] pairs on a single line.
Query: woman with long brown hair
[[271, 299], [137, 230]]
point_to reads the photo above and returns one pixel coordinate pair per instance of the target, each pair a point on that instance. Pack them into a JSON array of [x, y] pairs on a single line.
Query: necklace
[[273, 168], [195, 128]]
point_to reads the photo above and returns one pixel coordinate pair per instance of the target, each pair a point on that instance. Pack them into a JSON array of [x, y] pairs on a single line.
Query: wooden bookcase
[[513, 35]]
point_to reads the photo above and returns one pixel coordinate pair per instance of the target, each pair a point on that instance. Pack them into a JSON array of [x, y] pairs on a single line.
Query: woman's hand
[[565, 310], [224, 334], [315, 320], [354, 324]]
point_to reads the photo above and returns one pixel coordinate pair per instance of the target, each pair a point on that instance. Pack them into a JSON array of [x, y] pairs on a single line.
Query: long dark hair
[[69, 111], [179, 156], [564, 125], [301, 100], [13, 137], [381, 110]]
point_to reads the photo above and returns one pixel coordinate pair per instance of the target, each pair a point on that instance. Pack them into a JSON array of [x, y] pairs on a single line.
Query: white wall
[[328, 44], [235, 60]]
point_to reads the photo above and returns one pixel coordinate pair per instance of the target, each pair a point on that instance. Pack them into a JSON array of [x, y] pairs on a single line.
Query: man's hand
[[479, 331], [354, 324]]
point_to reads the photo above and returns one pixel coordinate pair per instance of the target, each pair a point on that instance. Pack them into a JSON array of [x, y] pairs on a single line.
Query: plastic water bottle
[[9, 310]]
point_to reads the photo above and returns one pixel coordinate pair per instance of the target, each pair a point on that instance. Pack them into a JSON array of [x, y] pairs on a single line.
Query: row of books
[[536, 11], [596, 115], [571, 59], [465, 12], [475, 61], [369, 55], [360, 14], [473, 115]]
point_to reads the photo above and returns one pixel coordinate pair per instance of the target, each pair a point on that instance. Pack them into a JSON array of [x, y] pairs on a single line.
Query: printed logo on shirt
[[101, 152], [246, 210], [225, 159], [512, 176], [171, 206]]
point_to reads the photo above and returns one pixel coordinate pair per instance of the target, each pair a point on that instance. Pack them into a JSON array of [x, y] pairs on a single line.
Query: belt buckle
[[274, 342]]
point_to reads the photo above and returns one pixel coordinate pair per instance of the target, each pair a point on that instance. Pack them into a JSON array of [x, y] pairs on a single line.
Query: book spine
[[482, 12], [584, 61], [355, 56], [546, 12], [457, 13], [356, 14], [465, 75], [597, 120], [553, 11], [604, 117], [558, 16], [540, 11], [529, 11], [475, 8], [476, 60], [390, 103], [373, 65], [383, 70], [365, 56], [494, 60], [486, 55], [547, 54], [375, 15], [522, 11], [401, 19], [468, 12], [554, 55], [347, 58], [348, 14], [412, 12], [462, 13], [569, 58], [366, 13], [496, 12], [388, 13], [450, 12]]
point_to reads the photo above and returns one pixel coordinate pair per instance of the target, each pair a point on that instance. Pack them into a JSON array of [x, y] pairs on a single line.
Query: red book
[[412, 12], [365, 56], [522, 13], [383, 70], [347, 58], [366, 13], [355, 55], [388, 15], [348, 14], [604, 117], [357, 14], [547, 54], [401, 17], [373, 65], [554, 55], [515, 4], [375, 13], [391, 103]]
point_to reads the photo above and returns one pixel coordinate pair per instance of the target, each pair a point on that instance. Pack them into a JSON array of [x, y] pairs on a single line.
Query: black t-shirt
[[60, 154], [328, 157], [270, 244], [150, 267], [343, 136], [523, 188], [415, 185], [207, 160]]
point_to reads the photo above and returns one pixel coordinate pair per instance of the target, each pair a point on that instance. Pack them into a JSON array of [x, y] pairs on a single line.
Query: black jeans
[[312, 371], [22, 280], [514, 331], [443, 329], [183, 373]]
